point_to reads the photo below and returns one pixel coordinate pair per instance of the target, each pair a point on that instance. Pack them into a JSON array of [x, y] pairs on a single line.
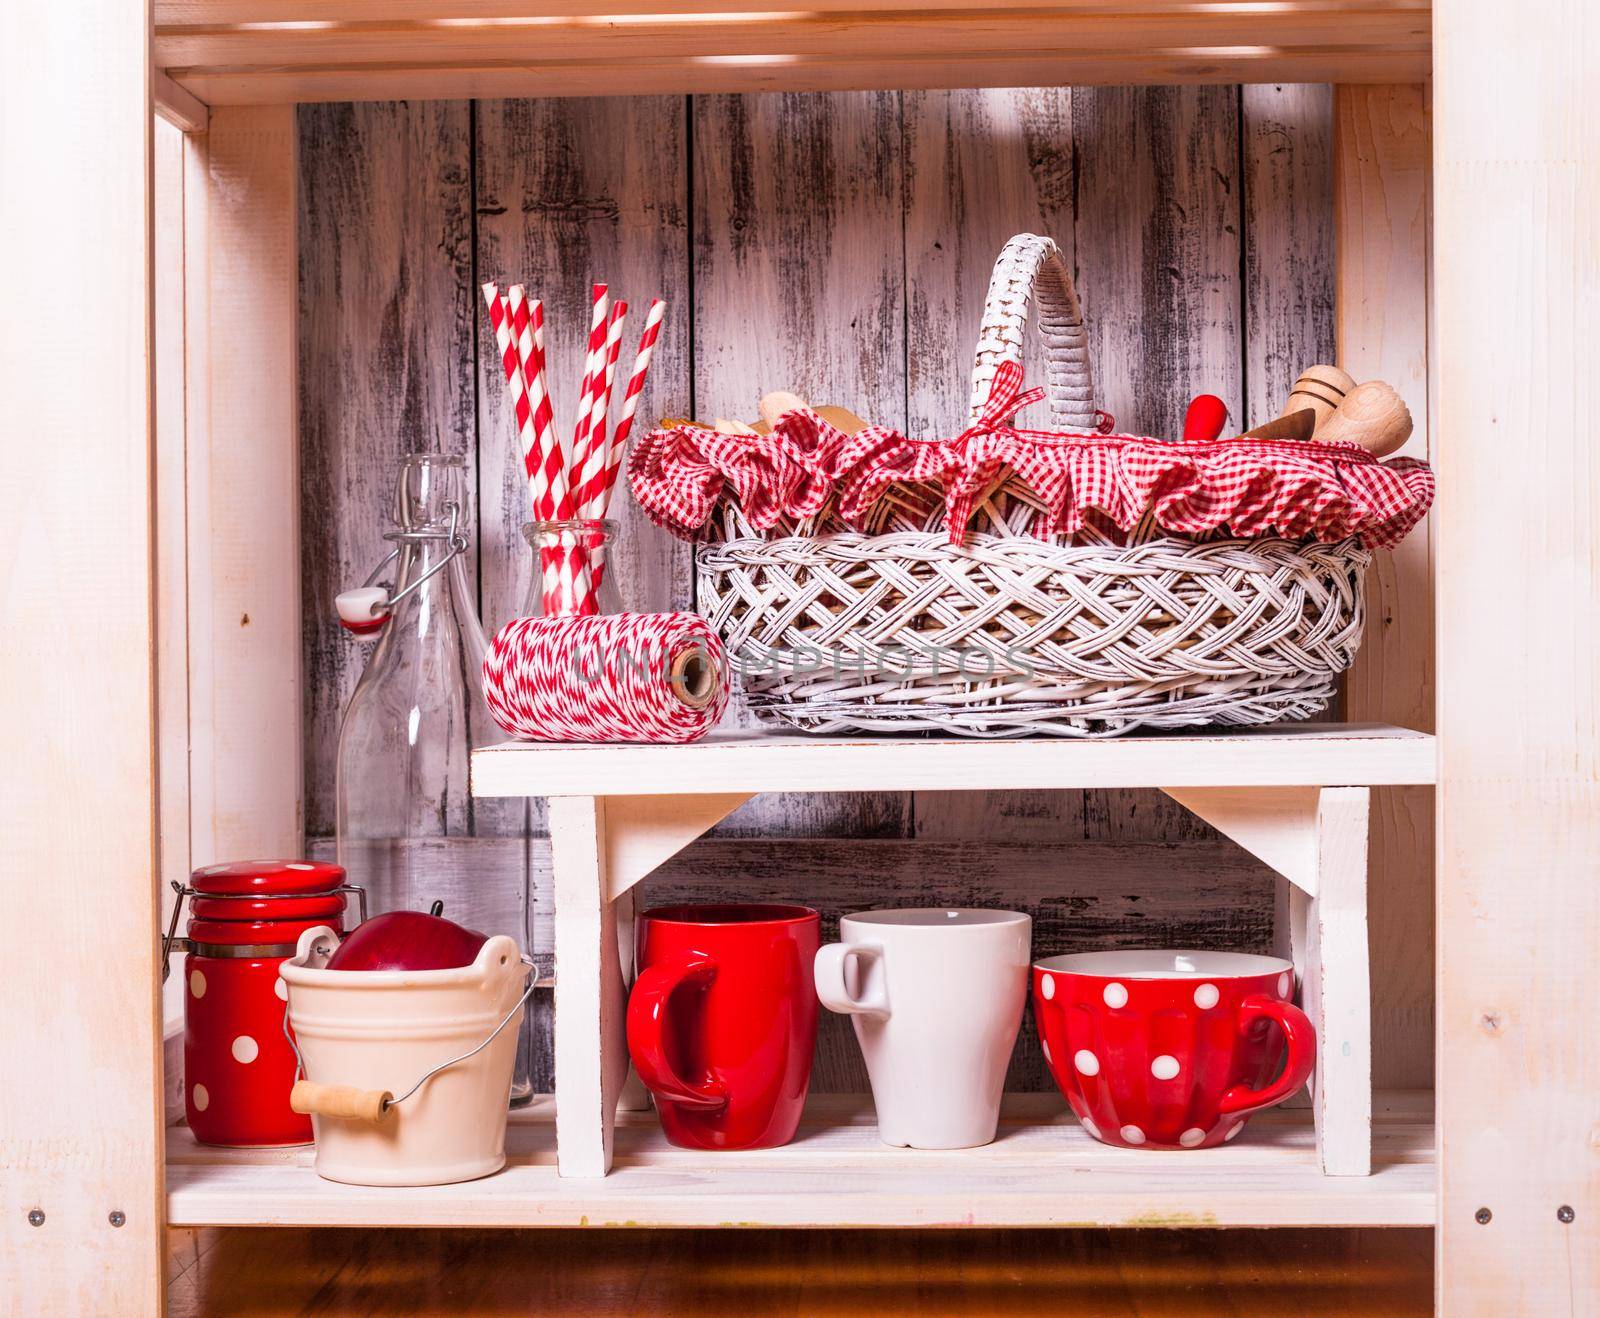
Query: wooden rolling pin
[[1374, 416], [1320, 388], [344, 1101]]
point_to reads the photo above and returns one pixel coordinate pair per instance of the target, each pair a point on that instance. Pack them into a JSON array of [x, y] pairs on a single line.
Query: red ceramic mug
[[1171, 1050], [722, 1021]]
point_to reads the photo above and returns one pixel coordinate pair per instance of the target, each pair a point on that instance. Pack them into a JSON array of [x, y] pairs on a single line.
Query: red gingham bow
[[1006, 399], [971, 462]]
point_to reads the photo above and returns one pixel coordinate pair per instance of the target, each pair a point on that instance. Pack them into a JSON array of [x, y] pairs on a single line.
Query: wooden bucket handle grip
[[343, 1101]]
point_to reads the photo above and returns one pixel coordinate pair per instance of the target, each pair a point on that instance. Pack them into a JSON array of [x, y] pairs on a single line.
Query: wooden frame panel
[[1382, 194], [225, 52], [1516, 196], [241, 321], [82, 1204]]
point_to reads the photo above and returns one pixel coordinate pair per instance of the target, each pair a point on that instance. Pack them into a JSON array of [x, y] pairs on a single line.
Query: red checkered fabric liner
[[1249, 487]]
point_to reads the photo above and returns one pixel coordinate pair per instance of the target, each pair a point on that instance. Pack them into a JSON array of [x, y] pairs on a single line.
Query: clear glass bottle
[[410, 727]]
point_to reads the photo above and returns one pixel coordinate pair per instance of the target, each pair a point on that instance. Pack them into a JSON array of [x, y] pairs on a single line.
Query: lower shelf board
[[1043, 1170]]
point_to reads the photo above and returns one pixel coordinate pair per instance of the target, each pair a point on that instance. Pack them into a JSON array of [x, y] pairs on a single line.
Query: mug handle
[[834, 988], [1298, 1064], [648, 1005]]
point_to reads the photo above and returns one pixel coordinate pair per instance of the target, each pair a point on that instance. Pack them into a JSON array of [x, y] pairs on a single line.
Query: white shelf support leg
[[644, 832], [634, 1096], [1316, 838], [1276, 825], [1335, 982], [591, 1051], [600, 847]]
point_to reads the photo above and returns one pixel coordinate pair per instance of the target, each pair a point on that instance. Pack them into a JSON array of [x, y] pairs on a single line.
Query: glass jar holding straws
[[572, 575]]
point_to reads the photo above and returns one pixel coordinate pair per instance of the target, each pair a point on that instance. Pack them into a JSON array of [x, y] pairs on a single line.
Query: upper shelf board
[[252, 52], [1303, 755]]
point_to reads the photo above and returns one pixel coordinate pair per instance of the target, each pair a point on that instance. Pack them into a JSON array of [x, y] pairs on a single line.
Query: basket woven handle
[[1030, 269]]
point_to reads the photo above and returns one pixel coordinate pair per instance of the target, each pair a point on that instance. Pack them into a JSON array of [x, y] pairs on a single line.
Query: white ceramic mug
[[936, 997]]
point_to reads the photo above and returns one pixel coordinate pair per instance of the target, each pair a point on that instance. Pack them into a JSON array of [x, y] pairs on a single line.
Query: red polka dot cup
[[1171, 1050]]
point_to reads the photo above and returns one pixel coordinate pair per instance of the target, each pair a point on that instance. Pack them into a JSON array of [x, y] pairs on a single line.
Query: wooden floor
[[1085, 1273]]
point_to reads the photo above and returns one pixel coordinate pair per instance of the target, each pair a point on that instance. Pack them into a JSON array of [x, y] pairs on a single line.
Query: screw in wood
[[1565, 1213], [118, 1217], [36, 1216], [1482, 1216]]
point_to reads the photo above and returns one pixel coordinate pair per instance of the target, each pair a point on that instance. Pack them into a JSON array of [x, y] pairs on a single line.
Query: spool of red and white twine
[[653, 677]]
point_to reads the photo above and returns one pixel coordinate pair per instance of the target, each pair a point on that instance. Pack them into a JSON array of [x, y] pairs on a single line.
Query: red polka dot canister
[[244, 919]]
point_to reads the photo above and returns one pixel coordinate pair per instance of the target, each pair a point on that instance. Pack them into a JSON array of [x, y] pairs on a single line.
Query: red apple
[[408, 940]]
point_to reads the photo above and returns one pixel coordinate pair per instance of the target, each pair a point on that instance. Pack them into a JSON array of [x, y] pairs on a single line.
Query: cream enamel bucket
[[365, 1035]]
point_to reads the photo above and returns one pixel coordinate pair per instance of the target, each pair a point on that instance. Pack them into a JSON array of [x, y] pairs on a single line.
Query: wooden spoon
[[776, 404], [840, 418], [1321, 388], [1291, 425], [1374, 416]]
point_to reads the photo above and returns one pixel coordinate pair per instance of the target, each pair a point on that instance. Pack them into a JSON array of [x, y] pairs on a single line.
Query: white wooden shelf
[[1296, 796], [1043, 1170], [1300, 755], [238, 52]]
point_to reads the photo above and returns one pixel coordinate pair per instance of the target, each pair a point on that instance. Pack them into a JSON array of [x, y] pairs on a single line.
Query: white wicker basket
[[1008, 634]]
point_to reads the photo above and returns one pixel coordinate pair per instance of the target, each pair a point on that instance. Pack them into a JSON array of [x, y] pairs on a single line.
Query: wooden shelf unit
[[1506, 115], [1042, 1170], [230, 53], [1298, 798]]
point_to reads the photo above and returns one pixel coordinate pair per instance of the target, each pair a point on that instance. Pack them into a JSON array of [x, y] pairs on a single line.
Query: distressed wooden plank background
[[839, 245]]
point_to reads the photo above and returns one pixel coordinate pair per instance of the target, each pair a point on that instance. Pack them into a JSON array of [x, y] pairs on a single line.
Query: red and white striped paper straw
[[547, 471], [588, 486], [502, 319], [630, 402], [583, 440], [593, 372]]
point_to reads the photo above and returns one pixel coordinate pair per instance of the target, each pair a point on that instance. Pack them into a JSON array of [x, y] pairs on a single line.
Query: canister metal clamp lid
[[170, 939]]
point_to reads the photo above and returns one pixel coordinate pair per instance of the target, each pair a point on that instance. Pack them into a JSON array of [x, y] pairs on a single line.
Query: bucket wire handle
[[387, 1101]]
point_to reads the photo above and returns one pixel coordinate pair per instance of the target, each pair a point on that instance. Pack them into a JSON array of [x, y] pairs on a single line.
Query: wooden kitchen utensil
[[1373, 416], [1291, 425], [840, 418], [775, 404], [1320, 388]]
